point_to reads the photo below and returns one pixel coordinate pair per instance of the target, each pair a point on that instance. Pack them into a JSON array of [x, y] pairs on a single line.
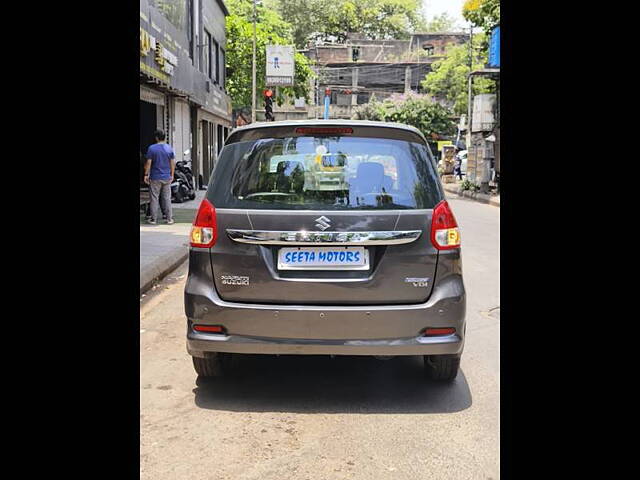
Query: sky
[[453, 7]]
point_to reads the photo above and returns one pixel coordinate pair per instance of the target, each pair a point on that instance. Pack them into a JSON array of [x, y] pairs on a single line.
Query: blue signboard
[[494, 48]]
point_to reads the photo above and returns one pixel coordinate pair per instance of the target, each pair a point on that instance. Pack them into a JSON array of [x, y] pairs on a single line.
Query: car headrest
[[288, 166]]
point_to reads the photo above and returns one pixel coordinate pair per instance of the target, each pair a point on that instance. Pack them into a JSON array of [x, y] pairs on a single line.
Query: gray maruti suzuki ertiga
[[325, 237]]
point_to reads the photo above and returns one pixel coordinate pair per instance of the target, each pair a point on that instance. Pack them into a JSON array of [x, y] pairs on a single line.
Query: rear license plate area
[[323, 258]]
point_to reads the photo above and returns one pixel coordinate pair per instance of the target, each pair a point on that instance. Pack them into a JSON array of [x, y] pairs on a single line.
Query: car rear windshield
[[325, 173]]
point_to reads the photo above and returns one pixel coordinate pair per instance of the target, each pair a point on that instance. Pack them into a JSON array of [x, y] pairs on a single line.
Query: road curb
[[476, 196], [165, 264]]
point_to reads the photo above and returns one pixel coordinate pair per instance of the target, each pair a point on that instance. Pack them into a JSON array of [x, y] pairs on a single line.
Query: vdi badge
[[418, 282]]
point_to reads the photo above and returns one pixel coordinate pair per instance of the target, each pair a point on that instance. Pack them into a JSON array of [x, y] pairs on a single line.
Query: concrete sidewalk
[[478, 197], [164, 247]]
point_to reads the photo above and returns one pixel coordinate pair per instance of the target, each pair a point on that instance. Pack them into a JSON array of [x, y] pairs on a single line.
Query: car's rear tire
[[442, 367], [214, 365]]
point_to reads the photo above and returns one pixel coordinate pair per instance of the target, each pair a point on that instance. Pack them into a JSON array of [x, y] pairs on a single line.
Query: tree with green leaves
[[440, 23], [303, 16], [271, 29], [482, 13], [447, 82], [431, 118], [335, 19]]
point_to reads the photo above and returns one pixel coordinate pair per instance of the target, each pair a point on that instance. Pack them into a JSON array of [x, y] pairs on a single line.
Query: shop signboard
[[280, 65], [442, 143], [165, 55], [161, 50]]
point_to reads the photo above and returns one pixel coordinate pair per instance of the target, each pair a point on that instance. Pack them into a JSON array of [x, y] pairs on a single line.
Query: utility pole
[[354, 86], [470, 149], [470, 48], [315, 107], [318, 69], [253, 82]]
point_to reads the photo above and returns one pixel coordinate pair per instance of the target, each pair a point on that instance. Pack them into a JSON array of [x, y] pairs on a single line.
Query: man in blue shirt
[[158, 174]]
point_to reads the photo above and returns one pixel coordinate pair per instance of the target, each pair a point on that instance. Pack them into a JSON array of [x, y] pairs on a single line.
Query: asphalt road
[[322, 418]]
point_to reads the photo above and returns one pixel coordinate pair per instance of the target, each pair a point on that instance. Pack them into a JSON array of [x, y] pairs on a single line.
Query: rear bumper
[[324, 329], [198, 344]]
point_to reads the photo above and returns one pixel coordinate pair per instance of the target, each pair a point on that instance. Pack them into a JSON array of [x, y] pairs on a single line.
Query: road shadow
[[321, 384], [180, 215]]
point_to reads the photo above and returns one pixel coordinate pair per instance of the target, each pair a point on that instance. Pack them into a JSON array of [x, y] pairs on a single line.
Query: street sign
[[280, 65]]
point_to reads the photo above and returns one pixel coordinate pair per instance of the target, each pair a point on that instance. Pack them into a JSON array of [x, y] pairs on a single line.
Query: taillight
[[204, 231], [444, 228]]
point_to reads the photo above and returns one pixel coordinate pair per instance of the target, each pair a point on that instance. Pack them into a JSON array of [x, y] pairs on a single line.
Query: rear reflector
[[430, 332], [324, 130], [444, 228], [204, 231], [209, 328]]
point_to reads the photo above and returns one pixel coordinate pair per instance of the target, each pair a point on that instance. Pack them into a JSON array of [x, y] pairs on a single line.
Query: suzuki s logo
[[323, 223]]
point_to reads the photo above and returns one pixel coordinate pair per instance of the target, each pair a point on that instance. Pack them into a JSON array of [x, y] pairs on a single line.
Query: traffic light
[[268, 106]]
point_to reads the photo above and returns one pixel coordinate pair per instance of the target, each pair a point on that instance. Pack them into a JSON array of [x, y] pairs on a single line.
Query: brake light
[[324, 130], [204, 231], [444, 228]]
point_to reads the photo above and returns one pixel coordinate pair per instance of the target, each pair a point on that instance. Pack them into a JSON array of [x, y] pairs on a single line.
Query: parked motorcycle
[[183, 186]]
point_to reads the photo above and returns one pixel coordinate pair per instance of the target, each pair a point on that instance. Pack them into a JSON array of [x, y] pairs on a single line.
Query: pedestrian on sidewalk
[[158, 174], [457, 169]]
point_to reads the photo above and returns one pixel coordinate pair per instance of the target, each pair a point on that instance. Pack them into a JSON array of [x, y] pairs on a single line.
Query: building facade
[[182, 79], [359, 69]]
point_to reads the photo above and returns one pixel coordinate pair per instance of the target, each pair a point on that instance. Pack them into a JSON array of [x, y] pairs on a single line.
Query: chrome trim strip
[[269, 237], [355, 213]]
